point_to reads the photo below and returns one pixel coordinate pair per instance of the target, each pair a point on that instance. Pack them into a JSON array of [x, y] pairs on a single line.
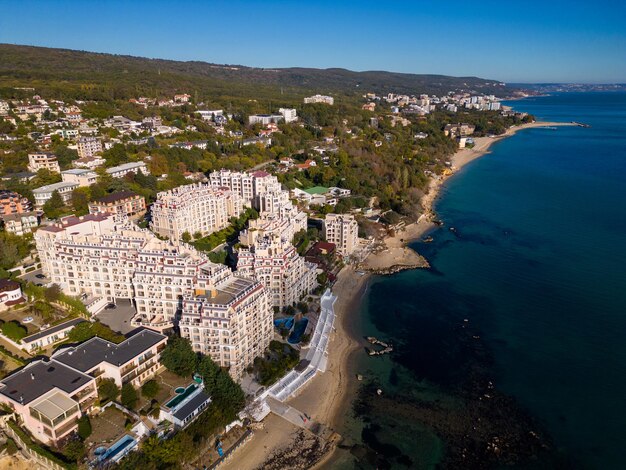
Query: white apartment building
[[43, 161], [227, 317], [284, 227], [82, 177], [319, 99], [43, 193], [125, 168], [229, 320], [88, 146], [248, 185], [289, 114], [90, 163], [265, 119], [274, 262], [194, 208], [343, 231]]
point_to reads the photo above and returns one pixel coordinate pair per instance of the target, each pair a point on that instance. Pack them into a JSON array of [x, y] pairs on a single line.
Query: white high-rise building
[[289, 114], [99, 255], [274, 262], [194, 208], [343, 231]]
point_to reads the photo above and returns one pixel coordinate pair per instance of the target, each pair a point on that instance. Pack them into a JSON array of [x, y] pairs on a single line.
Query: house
[[43, 161], [80, 176], [125, 168], [10, 293], [49, 396], [289, 114], [90, 163], [50, 336], [13, 203], [122, 202], [182, 409], [20, 224], [88, 146], [44, 193], [306, 165]]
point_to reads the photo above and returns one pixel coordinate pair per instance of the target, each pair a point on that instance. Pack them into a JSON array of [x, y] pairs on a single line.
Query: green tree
[[186, 237], [150, 389], [75, 450], [84, 427], [80, 200], [53, 208], [13, 330], [108, 390], [178, 357], [52, 293], [129, 396]]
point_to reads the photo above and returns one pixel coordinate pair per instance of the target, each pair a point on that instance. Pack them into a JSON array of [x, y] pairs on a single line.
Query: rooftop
[[89, 354], [125, 166], [114, 197], [316, 190], [54, 329], [38, 378], [54, 187]]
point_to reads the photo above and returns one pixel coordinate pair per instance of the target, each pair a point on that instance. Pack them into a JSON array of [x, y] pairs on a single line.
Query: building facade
[[88, 146], [43, 161], [343, 231], [275, 263], [43, 193], [121, 203], [195, 208]]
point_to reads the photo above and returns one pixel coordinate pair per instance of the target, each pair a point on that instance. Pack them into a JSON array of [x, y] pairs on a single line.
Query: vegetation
[[12, 250], [108, 390], [41, 450], [150, 389], [84, 427], [129, 396], [277, 361], [230, 233], [14, 330], [178, 357], [87, 330]]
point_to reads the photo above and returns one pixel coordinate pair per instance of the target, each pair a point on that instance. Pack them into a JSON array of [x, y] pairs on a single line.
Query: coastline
[[328, 396]]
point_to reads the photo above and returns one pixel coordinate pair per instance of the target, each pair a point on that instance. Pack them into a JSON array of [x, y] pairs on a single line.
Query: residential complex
[[274, 262], [319, 99], [80, 176], [343, 231], [88, 146], [105, 256], [43, 161], [121, 203], [50, 395], [195, 208], [13, 203]]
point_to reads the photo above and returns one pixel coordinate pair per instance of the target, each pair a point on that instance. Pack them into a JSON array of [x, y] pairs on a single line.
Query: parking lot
[[36, 277], [118, 318]]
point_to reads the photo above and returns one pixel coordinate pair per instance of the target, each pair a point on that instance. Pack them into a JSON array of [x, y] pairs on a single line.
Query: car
[[40, 276], [110, 307], [39, 284], [27, 319]]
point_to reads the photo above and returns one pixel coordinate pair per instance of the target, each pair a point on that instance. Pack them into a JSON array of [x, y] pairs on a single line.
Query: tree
[[80, 200], [84, 427], [129, 396], [14, 330], [52, 293], [186, 237], [150, 389], [53, 208], [74, 450], [179, 357], [108, 390]]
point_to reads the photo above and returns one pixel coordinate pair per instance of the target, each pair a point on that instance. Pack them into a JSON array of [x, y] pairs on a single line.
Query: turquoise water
[[529, 293]]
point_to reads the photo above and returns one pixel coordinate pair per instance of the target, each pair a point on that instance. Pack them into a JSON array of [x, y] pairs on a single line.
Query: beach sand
[[328, 396]]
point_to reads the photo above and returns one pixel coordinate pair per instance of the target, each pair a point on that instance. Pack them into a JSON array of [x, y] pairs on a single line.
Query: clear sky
[[521, 41]]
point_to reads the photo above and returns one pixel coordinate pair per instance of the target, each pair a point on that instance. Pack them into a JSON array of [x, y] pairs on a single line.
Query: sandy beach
[[327, 397]]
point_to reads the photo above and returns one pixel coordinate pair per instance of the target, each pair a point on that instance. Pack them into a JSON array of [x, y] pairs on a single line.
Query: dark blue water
[[537, 268]]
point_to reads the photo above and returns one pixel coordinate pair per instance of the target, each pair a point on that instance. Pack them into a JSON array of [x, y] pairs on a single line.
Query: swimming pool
[[119, 449], [181, 396]]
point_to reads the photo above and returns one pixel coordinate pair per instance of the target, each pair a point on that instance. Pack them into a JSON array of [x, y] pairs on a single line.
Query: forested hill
[[88, 75]]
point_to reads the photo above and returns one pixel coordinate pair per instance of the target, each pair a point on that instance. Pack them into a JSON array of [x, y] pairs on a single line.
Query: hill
[[89, 75]]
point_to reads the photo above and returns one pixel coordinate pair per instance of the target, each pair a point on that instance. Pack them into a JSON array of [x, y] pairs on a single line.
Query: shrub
[[14, 330], [84, 427]]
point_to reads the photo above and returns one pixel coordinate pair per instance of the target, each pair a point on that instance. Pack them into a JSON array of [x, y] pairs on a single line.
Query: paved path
[[289, 413]]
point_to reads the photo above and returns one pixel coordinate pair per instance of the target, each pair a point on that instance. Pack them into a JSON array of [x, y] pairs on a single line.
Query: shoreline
[[328, 396]]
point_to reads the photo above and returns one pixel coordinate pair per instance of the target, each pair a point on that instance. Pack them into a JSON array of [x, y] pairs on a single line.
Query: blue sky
[[509, 41]]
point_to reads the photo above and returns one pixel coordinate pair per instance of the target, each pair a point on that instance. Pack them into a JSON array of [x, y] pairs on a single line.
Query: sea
[[510, 351]]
